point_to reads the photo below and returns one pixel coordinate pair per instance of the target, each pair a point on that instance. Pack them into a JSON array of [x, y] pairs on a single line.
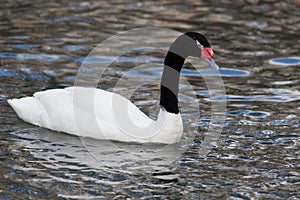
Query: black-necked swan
[[54, 109]]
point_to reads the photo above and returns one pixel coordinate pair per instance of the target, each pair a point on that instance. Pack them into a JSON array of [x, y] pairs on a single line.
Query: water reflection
[[60, 149]]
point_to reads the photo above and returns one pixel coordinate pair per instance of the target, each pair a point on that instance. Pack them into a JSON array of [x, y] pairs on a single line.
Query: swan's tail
[[28, 109]]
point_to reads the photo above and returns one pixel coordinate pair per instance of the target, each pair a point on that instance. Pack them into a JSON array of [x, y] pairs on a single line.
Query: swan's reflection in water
[[58, 150]]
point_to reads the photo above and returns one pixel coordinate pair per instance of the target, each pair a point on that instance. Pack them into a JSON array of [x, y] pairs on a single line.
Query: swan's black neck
[[184, 46], [170, 82]]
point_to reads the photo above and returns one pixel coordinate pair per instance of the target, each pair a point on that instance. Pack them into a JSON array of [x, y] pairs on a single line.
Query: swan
[[114, 117]]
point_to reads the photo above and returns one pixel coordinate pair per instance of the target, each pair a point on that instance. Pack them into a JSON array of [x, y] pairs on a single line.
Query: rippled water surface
[[257, 153]]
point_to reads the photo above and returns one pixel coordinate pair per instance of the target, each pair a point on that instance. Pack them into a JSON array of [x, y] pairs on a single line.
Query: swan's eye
[[199, 44]]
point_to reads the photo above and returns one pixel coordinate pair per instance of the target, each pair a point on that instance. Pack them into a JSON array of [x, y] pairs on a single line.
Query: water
[[257, 154]]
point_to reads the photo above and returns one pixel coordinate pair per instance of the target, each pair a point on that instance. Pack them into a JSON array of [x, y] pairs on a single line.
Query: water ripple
[[285, 61], [19, 37], [76, 48], [262, 98], [72, 18], [257, 114], [27, 56], [24, 46], [14, 73]]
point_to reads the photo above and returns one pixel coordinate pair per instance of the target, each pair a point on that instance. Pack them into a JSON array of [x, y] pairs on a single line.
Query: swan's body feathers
[[56, 109]]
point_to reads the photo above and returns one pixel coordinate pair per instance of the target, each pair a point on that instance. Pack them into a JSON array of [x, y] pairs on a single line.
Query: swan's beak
[[212, 63], [207, 54]]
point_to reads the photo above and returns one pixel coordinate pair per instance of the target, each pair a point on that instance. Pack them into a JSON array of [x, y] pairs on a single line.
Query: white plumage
[[110, 116]]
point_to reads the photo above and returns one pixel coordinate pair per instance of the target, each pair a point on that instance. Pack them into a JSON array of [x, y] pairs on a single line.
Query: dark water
[[257, 154]]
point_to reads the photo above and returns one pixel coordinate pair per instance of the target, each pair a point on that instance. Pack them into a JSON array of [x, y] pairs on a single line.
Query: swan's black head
[[196, 45], [190, 44], [198, 37]]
